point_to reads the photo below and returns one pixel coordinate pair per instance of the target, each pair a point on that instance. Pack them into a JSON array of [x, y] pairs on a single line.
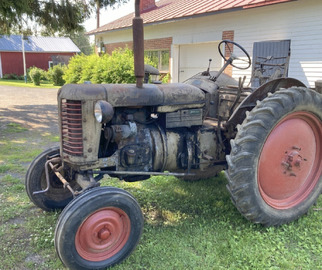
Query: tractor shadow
[[40, 118], [168, 201]]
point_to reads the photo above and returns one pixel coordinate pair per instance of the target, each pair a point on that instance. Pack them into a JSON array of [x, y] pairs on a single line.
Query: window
[[159, 59]]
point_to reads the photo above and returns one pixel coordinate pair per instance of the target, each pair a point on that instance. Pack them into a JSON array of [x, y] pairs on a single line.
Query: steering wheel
[[227, 43]]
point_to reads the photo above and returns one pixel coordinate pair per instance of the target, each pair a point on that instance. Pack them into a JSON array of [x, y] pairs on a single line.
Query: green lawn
[[187, 225], [21, 83]]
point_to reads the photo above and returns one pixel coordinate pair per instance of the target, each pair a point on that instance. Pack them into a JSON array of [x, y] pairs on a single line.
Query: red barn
[[41, 52]]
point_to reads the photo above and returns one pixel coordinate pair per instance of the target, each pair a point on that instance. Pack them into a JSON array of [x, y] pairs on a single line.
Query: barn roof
[[13, 43], [170, 10]]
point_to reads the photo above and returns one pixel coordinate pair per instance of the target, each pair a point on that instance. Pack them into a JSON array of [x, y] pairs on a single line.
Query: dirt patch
[[33, 108], [28, 125]]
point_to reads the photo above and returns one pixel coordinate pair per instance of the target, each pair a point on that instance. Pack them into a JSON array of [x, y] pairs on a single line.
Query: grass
[[21, 83], [187, 225]]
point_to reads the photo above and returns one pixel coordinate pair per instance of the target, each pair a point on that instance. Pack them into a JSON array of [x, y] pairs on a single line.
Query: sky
[[110, 14]]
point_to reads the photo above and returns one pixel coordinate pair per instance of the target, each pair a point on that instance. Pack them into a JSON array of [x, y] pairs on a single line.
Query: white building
[[186, 34]]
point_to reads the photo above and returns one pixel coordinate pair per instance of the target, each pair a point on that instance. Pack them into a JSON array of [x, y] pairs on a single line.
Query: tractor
[[268, 140]]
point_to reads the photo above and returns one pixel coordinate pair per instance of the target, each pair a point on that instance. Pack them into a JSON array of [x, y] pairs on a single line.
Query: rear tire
[[98, 229], [275, 164]]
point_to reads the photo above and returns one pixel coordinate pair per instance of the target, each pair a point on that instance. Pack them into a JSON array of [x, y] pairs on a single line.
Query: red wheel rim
[[103, 234], [290, 162]]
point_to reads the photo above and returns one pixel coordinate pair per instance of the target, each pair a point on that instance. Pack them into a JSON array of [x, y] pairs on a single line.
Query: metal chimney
[[138, 45]]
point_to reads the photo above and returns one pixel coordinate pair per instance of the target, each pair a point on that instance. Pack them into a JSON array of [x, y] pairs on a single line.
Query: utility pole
[[24, 57]]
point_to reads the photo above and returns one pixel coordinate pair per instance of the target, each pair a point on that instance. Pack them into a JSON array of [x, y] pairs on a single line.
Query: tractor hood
[[128, 95]]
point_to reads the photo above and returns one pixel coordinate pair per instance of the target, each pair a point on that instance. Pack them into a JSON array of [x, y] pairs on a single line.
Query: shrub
[[35, 75], [6, 76], [87, 72], [166, 78], [121, 67], [28, 74], [55, 75], [115, 68], [74, 71], [20, 77], [12, 76]]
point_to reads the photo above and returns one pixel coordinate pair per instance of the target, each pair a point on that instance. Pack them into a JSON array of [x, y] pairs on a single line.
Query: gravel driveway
[[33, 108]]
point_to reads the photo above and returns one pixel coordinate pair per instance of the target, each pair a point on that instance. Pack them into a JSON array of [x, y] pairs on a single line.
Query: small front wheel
[[98, 229], [57, 197]]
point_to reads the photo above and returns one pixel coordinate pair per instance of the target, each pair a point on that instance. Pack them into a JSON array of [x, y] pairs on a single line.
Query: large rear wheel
[[98, 229], [275, 164]]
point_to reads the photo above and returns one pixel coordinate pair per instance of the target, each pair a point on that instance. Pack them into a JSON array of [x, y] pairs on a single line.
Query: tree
[[99, 4], [82, 42], [56, 16]]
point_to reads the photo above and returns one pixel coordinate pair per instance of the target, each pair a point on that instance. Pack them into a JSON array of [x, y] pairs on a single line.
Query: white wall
[[300, 21]]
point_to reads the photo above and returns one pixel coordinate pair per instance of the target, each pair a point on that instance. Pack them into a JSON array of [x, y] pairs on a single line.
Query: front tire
[[57, 197], [275, 164], [98, 229]]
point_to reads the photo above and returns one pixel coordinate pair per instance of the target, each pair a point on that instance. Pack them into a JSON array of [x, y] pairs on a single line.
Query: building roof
[[170, 10], [13, 43]]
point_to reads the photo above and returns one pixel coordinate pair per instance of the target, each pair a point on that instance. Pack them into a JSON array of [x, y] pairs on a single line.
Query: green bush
[[35, 75], [121, 67], [55, 75], [101, 69], [87, 71], [166, 78], [115, 68], [12, 76], [7, 76], [74, 70]]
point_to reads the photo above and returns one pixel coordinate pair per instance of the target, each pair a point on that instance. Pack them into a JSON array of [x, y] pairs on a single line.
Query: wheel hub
[[290, 161], [103, 234]]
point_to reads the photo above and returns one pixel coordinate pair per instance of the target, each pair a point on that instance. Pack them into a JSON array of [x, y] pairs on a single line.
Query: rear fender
[[259, 94]]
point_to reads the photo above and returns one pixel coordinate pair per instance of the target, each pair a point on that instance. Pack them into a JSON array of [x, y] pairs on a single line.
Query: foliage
[[74, 69], [13, 76], [120, 68], [88, 69], [115, 68], [82, 42], [106, 3], [35, 75], [101, 68], [55, 75], [166, 78], [54, 15], [42, 77]]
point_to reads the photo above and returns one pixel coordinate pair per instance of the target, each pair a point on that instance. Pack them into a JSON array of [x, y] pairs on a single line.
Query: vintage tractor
[[269, 141]]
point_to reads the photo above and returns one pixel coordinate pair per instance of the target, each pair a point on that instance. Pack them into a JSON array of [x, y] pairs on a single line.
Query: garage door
[[194, 58]]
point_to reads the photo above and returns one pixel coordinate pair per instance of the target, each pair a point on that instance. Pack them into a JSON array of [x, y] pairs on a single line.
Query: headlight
[[103, 111]]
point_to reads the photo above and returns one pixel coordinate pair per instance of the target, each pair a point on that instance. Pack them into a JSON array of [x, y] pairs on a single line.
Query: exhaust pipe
[[138, 45]]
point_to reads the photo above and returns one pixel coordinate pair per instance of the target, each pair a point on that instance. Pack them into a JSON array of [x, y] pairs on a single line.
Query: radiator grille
[[71, 126]]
